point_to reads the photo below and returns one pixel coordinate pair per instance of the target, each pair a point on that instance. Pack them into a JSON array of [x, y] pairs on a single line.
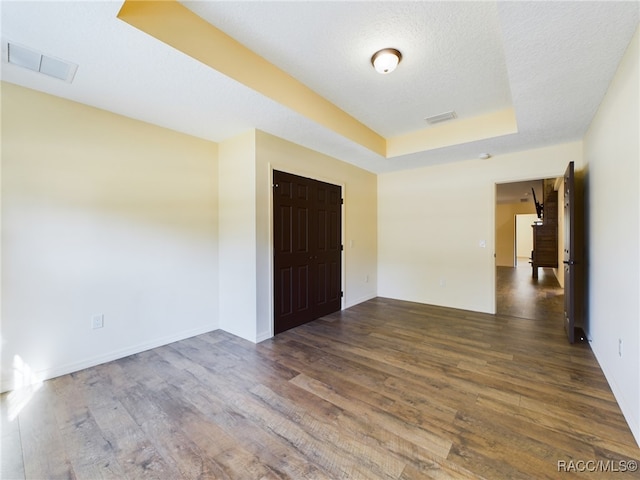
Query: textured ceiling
[[551, 61], [447, 47]]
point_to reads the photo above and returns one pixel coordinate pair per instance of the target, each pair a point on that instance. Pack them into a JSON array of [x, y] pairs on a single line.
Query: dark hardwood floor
[[386, 389], [520, 295]]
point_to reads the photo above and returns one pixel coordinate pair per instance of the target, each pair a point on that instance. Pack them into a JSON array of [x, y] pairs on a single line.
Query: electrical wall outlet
[[97, 321]]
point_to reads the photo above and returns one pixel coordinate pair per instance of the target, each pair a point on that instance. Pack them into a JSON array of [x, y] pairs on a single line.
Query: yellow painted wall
[[505, 228], [101, 214]]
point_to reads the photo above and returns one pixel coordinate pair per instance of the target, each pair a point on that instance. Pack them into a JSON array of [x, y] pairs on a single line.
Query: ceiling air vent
[[26, 58], [443, 117]]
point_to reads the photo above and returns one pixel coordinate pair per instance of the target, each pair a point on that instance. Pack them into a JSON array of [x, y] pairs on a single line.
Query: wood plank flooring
[[520, 295], [384, 390]]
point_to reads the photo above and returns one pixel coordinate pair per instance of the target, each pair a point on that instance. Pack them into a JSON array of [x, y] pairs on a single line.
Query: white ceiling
[[551, 61], [447, 47]]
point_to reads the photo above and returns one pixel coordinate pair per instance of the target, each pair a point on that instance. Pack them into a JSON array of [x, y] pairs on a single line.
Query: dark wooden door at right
[[574, 267], [307, 226]]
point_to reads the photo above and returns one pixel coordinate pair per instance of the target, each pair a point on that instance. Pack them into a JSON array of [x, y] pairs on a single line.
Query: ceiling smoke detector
[[32, 60], [442, 117]]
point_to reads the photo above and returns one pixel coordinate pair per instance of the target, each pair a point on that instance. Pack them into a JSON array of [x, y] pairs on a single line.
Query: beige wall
[[101, 215], [505, 228], [237, 235], [432, 220], [107, 215], [612, 157], [524, 236], [246, 238]]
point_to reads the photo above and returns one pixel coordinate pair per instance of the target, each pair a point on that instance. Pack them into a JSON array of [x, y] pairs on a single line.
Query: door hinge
[[342, 201], [341, 248], [341, 294]]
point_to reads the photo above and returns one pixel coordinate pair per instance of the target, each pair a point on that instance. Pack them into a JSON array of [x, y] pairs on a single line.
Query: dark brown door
[[307, 220], [573, 256]]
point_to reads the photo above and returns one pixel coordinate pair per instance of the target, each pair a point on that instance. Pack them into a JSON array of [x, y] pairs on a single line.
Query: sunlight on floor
[[26, 384]]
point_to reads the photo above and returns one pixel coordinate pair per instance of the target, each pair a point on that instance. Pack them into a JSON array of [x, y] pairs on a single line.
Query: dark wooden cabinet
[[545, 234]]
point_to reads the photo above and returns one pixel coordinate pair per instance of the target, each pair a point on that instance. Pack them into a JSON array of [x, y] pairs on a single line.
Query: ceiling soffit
[[173, 24]]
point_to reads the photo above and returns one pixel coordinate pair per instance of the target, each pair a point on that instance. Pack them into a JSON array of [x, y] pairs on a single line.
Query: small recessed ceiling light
[[386, 60], [484, 156]]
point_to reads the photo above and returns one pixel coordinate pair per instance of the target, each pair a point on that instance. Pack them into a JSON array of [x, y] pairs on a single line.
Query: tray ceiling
[[549, 63]]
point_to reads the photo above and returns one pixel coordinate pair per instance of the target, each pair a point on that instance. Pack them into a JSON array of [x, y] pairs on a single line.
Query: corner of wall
[[237, 235], [101, 214]]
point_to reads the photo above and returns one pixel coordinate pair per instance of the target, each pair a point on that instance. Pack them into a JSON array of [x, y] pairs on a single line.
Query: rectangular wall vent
[[27, 58], [442, 117]]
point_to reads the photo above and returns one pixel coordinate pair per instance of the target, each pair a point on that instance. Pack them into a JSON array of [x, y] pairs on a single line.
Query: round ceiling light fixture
[[484, 156], [386, 60]]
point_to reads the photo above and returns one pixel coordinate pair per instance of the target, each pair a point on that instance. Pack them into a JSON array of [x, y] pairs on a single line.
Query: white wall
[[100, 215], [612, 156], [431, 222]]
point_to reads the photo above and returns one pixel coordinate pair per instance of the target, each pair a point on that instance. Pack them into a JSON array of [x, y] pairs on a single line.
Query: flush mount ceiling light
[[386, 60]]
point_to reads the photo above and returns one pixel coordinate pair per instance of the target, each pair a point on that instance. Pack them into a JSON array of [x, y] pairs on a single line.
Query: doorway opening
[[528, 286], [523, 237]]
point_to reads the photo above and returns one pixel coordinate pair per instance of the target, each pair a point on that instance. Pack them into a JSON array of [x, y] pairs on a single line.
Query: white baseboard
[[357, 301], [623, 403], [53, 372], [261, 337]]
